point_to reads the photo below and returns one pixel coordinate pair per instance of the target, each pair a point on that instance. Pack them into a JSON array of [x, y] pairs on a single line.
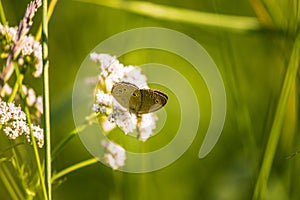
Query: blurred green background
[[253, 61]]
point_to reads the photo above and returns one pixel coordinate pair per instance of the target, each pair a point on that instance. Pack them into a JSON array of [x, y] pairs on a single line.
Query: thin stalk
[[71, 135], [66, 140], [14, 91], [20, 78], [36, 153], [46, 100], [50, 12], [276, 11], [73, 168], [262, 13], [2, 14], [17, 85], [276, 128], [9, 149]]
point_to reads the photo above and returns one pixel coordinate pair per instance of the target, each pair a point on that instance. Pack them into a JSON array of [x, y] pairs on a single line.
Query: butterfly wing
[[135, 102], [122, 92], [138, 101], [159, 100], [146, 100]]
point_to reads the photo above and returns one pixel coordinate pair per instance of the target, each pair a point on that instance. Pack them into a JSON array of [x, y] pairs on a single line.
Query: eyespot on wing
[[122, 92]]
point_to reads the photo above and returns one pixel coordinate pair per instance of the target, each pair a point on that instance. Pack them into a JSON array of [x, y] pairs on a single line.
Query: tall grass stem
[[46, 100], [276, 128]]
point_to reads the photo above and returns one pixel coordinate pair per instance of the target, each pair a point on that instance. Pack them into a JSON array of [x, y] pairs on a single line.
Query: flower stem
[[20, 78], [18, 84], [14, 91], [46, 100], [36, 153], [66, 140], [73, 168], [72, 134]]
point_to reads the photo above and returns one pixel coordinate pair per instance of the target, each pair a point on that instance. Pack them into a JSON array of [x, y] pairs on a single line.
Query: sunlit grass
[[181, 15], [276, 129]]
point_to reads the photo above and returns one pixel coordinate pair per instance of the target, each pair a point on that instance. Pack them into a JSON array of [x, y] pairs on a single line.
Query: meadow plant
[[20, 53], [21, 107]]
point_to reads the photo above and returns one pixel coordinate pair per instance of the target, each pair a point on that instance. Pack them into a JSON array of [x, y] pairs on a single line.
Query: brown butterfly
[[138, 101]]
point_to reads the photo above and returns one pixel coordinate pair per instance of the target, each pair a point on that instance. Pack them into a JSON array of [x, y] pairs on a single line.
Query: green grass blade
[[162, 12], [276, 128], [262, 13], [2, 14]]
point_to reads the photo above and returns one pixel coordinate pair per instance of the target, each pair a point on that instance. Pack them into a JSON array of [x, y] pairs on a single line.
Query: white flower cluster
[[29, 46], [114, 155], [26, 45], [13, 122], [146, 126], [111, 72], [32, 100]]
